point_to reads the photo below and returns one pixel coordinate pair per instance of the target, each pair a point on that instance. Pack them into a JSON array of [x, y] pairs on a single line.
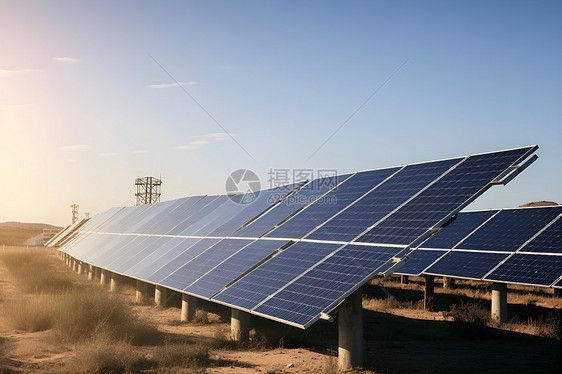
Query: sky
[[94, 94]]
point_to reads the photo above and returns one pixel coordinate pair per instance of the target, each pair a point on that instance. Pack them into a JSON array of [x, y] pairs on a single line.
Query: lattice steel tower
[[148, 190], [75, 212]]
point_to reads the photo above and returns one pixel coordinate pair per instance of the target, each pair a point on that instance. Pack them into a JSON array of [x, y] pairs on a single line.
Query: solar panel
[[447, 195], [275, 273], [233, 267], [265, 200], [184, 257], [157, 259], [332, 203], [461, 264], [192, 270], [306, 195], [213, 203], [458, 229], [388, 196], [419, 260], [509, 229], [184, 215], [296, 282], [159, 226], [549, 240], [531, 269], [133, 257], [302, 301]]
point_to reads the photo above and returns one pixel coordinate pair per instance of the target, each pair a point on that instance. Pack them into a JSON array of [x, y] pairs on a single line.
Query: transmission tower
[[148, 190], [75, 212]]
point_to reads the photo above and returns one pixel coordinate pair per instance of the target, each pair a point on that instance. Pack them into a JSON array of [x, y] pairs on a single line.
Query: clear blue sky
[[84, 109]]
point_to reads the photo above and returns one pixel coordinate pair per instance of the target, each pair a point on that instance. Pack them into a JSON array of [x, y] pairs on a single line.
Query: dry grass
[[34, 271], [389, 303]]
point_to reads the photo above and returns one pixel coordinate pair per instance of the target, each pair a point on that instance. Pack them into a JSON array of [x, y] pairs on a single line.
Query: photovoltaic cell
[[159, 226], [458, 229], [461, 264], [195, 217], [233, 267], [532, 269], [381, 201], [275, 273], [144, 249], [165, 254], [419, 260], [306, 195], [184, 215], [302, 301], [509, 229], [445, 196], [264, 200], [548, 241], [183, 258], [333, 202], [204, 262]]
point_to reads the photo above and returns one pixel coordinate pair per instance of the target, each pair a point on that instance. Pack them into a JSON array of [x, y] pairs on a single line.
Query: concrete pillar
[[75, 265], [114, 282], [350, 332], [91, 274], [429, 291], [160, 296], [239, 325], [104, 277], [80, 268], [188, 306], [499, 302], [557, 292], [141, 293], [404, 279], [448, 283]]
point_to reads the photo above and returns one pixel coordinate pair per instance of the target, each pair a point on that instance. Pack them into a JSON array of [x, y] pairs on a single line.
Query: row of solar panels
[[296, 251], [522, 246]]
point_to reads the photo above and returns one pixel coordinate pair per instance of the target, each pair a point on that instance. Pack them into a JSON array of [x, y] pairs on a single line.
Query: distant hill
[[539, 203], [16, 233]]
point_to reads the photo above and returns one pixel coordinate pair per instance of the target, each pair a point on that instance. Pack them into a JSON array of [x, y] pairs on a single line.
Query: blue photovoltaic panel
[[301, 302], [264, 200], [177, 262], [273, 274], [133, 257], [160, 226], [165, 254], [540, 270], [419, 260], [461, 264], [186, 214], [458, 229], [332, 203], [195, 217], [163, 212], [217, 217], [151, 211], [123, 219], [442, 198], [127, 250], [206, 261], [548, 241], [233, 267], [100, 254], [371, 208], [509, 229], [558, 284], [306, 195]]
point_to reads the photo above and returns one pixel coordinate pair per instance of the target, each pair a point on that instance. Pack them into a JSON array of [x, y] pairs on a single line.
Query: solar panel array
[[296, 251], [521, 246]]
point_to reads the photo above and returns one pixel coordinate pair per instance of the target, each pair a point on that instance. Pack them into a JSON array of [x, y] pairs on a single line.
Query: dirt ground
[[397, 339]]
